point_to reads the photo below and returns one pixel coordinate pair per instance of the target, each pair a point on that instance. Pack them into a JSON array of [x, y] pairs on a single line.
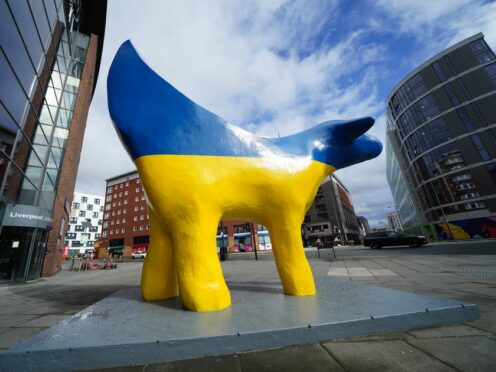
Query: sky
[[278, 67]]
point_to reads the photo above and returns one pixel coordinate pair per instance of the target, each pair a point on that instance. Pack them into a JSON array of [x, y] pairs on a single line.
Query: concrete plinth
[[123, 330]]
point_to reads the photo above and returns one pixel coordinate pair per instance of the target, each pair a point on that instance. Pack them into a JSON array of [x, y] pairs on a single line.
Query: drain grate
[[477, 270]]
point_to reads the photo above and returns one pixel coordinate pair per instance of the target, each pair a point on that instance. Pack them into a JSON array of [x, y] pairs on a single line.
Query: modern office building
[[49, 60], [394, 221], [331, 215], [441, 144], [85, 224]]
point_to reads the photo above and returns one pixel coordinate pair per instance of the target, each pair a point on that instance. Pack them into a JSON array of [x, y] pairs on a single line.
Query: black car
[[385, 238]]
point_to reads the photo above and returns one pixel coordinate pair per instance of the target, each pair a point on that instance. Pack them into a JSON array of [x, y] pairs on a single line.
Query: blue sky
[[280, 67]]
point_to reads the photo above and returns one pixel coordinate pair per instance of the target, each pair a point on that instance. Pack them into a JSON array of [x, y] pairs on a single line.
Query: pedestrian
[[319, 244]]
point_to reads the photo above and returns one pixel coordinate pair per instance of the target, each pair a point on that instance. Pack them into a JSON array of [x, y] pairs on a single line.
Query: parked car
[[388, 238], [138, 254]]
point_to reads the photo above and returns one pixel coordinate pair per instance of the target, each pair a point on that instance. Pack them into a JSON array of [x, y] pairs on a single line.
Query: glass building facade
[[441, 144], [42, 56]]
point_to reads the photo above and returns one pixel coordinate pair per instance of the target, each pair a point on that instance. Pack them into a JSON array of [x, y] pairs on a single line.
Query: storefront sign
[[27, 216]]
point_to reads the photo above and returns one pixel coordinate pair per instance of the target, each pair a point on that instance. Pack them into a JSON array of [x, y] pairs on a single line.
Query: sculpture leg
[[158, 278], [292, 264], [199, 273]]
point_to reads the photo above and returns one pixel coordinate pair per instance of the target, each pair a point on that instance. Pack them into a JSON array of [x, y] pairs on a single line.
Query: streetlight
[[442, 209]]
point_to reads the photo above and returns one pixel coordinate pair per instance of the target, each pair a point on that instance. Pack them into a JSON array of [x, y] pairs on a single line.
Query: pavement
[[469, 274]]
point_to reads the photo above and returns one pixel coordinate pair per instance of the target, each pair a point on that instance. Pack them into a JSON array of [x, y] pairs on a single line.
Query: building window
[[439, 72], [114, 204], [105, 224], [126, 193], [118, 221], [89, 207], [142, 207], [109, 198], [481, 51], [120, 195], [113, 213], [321, 208], [95, 214], [484, 154], [111, 232], [75, 205], [241, 228], [142, 227], [478, 205], [97, 202], [105, 234], [73, 220], [135, 228], [112, 222], [136, 208], [136, 199], [123, 220], [124, 211], [322, 216], [82, 214], [125, 201], [135, 218], [123, 230], [97, 236], [137, 189], [142, 218], [138, 180], [121, 185], [107, 214], [84, 199], [127, 184], [119, 212], [143, 197]]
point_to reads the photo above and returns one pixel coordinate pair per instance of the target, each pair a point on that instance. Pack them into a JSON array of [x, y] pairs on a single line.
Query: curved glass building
[[441, 144]]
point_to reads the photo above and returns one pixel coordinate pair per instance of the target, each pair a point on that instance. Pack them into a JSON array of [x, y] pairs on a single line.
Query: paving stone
[[11, 320], [14, 335], [383, 356], [464, 353], [227, 363], [44, 321], [382, 272], [297, 358], [449, 331], [382, 337]]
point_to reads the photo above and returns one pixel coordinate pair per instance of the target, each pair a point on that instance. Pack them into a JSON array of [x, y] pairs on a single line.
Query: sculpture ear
[[352, 129]]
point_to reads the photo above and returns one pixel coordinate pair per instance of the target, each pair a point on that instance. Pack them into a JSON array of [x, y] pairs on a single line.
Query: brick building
[[126, 225]]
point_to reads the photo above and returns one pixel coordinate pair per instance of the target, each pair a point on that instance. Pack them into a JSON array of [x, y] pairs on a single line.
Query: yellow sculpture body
[[197, 169]]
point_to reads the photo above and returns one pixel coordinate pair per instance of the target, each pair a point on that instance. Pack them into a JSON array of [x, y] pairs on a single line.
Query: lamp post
[[223, 250], [438, 201]]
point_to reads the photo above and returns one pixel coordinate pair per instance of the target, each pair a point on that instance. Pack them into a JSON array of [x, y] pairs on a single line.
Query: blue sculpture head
[[154, 118]]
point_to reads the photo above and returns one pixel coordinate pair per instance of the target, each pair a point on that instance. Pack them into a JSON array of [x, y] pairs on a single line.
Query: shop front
[[23, 242], [243, 242], [264, 243]]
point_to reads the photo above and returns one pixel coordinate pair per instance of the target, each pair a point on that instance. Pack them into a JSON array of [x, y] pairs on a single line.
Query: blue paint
[[153, 118]]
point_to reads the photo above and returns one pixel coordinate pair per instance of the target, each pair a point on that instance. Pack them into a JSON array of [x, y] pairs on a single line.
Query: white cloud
[[262, 65]]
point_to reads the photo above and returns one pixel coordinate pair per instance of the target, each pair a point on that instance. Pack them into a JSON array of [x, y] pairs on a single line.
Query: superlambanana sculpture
[[197, 168]]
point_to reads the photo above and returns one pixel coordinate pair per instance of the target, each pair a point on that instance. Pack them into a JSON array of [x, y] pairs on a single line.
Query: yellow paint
[[457, 232], [189, 195]]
